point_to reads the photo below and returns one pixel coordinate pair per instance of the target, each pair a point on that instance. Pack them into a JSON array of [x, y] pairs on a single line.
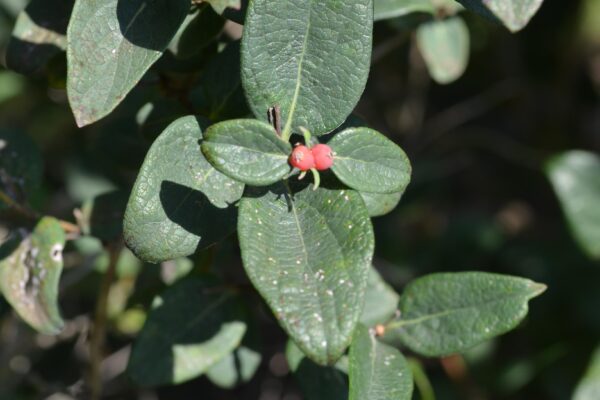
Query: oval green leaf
[[179, 202], [235, 368], [308, 254], [444, 45], [447, 313], [366, 160], [190, 328], [30, 269], [575, 176], [514, 14], [377, 371], [247, 150], [311, 58], [111, 45]]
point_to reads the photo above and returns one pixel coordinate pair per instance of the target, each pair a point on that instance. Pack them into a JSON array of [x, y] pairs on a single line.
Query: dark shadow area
[[31, 47], [151, 24], [192, 210], [106, 219]]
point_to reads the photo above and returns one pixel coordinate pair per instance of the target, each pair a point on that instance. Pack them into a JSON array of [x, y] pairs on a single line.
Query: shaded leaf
[[39, 34], [381, 301], [102, 216], [377, 371], [190, 328], [311, 58], [308, 254], [366, 160], [247, 150], [514, 14], [316, 382], [196, 32], [575, 176], [20, 166], [111, 45], [30, 269], [179, 202], [444, 45], [448, 313]]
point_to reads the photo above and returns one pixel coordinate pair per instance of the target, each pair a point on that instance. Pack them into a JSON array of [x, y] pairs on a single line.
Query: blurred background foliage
[[479, 200]]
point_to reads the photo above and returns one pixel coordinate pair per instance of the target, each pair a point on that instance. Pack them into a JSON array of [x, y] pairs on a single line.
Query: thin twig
[[99, 329]]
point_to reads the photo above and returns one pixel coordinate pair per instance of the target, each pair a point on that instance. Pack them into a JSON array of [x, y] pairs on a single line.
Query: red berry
[[323, 156], [302, 158]]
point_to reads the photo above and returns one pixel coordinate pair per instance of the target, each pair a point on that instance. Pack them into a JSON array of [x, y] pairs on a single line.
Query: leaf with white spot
[[447, 313], [377, 371], [179, 202], [311, 58], [308, 253], [30, 268]]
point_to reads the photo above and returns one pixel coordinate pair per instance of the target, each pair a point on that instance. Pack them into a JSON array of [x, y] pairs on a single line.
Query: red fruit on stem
[[302, 158], [323, 156]]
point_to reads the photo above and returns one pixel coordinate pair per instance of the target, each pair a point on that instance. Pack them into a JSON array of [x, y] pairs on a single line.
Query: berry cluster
[[319, 157]]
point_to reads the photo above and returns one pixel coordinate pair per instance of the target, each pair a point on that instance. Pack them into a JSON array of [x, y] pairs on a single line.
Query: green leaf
[[308, 254], [514, 14], [247, 150], [447, 313], [179, 202], [30, 268], [385, 9], [588, 387], [380, 204], [220, 93], [377, 371], [235, 368], [575, 176], [220, 5], [111, 45], [444, 45], [190, 328], [381, 301], [39, 34], [196, 32], [366, 160], [311, 58], [315, 381], [20, 166]]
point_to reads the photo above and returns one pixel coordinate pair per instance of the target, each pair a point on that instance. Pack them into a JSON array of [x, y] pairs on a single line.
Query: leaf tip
[[537, 289]]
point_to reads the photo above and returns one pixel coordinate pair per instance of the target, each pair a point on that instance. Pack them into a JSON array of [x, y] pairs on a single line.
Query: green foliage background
[[479, 199]]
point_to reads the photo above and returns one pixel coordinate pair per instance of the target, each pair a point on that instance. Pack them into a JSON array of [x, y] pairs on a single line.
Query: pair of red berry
[[319, 157]]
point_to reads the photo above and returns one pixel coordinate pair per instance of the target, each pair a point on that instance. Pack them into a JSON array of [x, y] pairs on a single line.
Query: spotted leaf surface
[[247, 150], [575, 176], [111, 45], [191, 327], [377, 371], [30, 268], [445, 46], [308, 253], [179, 202], [447, 313], [514, 14], [311, 58], [367, 161]]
